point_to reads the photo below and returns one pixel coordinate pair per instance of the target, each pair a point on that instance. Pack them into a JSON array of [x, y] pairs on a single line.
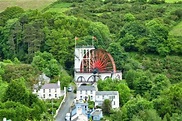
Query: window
[[86, 92], [113, 102], [80, 97], [55, 90], [43, 90], [49, 95], [91, 97], [111, 97], [55, 95], [102, 96], [90, 91], [80, 92], [43, 95], [49, 90]]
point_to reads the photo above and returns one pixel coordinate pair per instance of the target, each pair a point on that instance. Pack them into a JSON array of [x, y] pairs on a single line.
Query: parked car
[[68, 117], [70, 89]]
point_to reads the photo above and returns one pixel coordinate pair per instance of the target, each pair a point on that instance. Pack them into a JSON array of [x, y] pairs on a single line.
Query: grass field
[[25, 4], [177, 30], [60, 7], [172, 1]]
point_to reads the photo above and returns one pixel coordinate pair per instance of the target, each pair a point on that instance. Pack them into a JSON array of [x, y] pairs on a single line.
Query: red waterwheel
[[97, 59]]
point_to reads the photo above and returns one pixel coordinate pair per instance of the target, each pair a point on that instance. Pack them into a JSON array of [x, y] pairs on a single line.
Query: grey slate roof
[[86, 88], [107, 93], [50, 86], [96, 112], [43, 78]]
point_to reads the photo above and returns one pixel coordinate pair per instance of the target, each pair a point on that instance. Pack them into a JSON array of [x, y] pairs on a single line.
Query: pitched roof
[[50, 86], [86, 88], [107, 93], [96, 112], [44, 78]]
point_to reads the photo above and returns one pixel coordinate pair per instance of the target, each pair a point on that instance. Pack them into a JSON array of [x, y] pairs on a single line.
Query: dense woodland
[[138, 34]]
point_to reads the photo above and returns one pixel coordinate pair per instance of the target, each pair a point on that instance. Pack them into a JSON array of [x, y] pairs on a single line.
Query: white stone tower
[[80, 51]]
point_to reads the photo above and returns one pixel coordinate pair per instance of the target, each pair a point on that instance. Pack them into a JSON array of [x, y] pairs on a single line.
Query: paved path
[[65, 107]]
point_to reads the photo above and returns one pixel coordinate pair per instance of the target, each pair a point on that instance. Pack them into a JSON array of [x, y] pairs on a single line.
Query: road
[[65, 107]]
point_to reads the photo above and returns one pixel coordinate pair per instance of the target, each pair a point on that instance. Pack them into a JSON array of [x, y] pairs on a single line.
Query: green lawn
[[177, 30], [59, 7], [172, 1], [25, 4]]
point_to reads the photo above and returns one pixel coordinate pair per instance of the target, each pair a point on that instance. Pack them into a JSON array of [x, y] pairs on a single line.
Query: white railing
[[61, 103]]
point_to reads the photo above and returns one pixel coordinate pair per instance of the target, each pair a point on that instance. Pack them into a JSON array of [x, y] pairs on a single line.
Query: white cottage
[[100, 96], [48, 91], [86, 92]]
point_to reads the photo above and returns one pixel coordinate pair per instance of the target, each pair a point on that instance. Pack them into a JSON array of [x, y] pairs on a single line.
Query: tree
[[134, 106], [16, 71], [131, 76], [129, 17], [117, 116], [3, 86], [15, 111], [124, 93], [161, 82], [65, 78], [9, 39], [178, 13], [130, 33], [157, 34], [147, 115], [170, 101], [17, 92], [10, 13], [118, 54], [142, 85], [106, 106], [46, 63], [33, 38]]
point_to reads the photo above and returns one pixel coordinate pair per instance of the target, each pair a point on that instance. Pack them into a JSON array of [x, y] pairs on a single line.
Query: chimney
[[58, 83]]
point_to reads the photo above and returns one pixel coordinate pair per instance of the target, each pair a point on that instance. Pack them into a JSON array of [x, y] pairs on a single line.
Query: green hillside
[[143, 37], [173, 1], [25, 4], [177, 30], [59, 7]]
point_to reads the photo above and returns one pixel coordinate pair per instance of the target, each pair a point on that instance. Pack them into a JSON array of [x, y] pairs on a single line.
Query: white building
[[79, 111], [86, 92], [48, 91], [86, 59], [113, 96]]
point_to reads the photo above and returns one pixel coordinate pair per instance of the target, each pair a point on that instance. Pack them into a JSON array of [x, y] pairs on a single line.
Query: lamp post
[[95, 71], [52, 108]]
